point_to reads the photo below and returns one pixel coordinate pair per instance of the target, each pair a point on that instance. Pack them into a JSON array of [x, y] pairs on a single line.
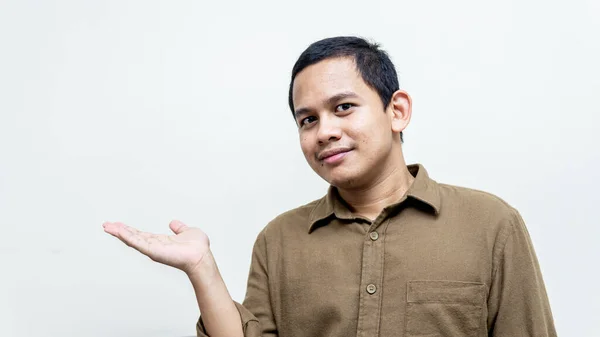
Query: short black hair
[[373, 64]]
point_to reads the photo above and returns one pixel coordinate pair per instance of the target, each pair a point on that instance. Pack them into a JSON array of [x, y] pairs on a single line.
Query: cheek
[[373, 130], [370, 138], [305, 146]]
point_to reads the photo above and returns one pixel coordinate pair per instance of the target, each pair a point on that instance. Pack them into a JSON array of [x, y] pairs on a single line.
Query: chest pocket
[[444, 308]]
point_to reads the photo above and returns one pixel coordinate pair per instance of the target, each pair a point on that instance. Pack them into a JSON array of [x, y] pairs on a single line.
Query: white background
[[146, 111]]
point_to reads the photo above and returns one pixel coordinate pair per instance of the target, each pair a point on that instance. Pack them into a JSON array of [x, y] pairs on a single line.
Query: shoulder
[[460, 196], [478, 207], [294, 220]]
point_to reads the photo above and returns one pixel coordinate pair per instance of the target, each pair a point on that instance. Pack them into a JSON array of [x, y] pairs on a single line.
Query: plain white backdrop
[[147, 111]]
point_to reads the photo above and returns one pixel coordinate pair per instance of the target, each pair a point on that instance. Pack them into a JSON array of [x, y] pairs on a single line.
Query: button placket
[[369, 315]]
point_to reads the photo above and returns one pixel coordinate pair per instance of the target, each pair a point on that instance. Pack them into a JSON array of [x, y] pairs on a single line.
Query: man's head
[[345, 96]]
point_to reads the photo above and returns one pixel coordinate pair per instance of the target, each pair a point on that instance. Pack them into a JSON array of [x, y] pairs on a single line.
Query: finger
[[113, 228], [110, 228], [135, 239], [177, 226], [129, 235], [115, 225]]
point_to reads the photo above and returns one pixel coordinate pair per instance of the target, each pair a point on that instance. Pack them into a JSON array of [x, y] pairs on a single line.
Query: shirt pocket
[[444, 308]]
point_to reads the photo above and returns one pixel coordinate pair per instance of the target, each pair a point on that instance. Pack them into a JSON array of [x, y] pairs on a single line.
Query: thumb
[[177, 226]]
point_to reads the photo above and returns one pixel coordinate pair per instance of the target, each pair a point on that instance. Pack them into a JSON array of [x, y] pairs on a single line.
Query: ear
[[400, 110]]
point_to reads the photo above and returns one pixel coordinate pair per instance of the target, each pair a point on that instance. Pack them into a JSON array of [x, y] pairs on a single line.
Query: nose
[[329, 130]]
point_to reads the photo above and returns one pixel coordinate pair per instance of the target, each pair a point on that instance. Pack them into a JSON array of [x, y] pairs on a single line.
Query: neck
[[388, 188]]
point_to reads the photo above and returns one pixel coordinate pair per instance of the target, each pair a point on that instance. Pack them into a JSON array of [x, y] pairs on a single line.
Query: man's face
[[345, 135]]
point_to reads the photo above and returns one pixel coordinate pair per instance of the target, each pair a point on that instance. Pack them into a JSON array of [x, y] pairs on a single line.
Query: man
[[388, 251]]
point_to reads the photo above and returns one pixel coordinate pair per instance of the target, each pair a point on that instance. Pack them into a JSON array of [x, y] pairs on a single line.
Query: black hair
[[372, 63]]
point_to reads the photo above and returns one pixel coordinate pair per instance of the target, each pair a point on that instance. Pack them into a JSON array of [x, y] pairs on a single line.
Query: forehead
[[325, 79]]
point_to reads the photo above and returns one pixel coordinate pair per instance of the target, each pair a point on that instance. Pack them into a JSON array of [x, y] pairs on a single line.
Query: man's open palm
[[184, 250]]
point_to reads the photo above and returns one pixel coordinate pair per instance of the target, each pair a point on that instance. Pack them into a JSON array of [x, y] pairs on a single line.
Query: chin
[[345, 181]]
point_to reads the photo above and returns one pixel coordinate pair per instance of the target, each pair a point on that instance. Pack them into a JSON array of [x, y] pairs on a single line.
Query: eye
[[307, 120], [344, 107]]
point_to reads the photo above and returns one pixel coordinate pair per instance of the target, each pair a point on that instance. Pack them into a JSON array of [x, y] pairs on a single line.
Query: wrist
[[204, 272]]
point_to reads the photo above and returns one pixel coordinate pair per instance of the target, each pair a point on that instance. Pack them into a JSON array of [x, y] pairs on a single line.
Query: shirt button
[[374, 236], [371, 288]]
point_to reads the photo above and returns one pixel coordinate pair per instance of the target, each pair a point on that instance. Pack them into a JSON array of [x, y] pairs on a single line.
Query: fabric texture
[[443, 261]]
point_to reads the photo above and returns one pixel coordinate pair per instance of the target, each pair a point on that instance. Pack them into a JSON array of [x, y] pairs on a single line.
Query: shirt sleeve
[[518, 304], [250, 324], [256, 313]]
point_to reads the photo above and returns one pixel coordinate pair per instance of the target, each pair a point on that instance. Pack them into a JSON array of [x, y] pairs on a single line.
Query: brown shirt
[[443, 261]]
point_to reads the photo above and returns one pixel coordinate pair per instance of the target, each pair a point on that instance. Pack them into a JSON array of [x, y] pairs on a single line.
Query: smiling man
[[388, 251]]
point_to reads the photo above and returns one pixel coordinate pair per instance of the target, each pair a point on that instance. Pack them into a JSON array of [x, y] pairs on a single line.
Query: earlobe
[[401, 110]]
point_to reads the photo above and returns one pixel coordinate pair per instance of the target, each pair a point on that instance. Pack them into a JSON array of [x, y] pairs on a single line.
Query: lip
[[334, 155], [336, 158]]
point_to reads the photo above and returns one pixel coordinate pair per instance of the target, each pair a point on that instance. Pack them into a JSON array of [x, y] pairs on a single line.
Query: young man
[[388, 251]]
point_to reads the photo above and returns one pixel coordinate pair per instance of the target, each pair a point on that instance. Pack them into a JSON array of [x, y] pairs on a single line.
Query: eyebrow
[[329, 101]]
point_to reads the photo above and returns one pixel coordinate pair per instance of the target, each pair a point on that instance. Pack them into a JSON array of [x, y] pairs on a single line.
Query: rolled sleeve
[[518, 304], [250, 324]]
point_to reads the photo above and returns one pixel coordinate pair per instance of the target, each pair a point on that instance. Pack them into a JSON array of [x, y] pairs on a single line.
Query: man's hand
[[189, 250], [185, 250]]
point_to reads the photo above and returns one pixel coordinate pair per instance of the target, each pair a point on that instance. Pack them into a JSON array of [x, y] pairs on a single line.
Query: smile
[[336, 158]]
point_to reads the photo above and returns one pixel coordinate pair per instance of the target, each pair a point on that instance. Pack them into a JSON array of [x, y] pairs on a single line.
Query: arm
[[518, 304], [220, 315], [257, 303], [258, 295]]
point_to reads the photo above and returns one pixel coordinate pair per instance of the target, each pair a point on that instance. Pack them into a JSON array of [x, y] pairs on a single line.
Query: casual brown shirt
[[443, 261]]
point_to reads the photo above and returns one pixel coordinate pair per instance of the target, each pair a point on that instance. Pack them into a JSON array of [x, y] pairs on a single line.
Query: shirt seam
[[496, 259], [382, 266]]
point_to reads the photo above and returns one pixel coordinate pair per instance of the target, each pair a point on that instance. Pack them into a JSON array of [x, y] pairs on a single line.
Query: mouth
[[333, 156]]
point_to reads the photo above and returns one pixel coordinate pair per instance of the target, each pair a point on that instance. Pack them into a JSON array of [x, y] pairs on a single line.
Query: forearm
[[219, 314]]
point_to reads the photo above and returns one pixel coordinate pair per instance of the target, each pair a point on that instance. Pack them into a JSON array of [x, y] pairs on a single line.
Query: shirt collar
[[423, 190]]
